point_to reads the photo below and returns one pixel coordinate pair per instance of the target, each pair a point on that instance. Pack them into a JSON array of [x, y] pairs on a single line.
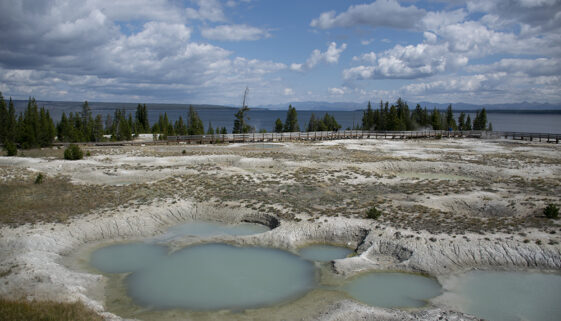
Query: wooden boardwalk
[[355, 134], [343, 134]]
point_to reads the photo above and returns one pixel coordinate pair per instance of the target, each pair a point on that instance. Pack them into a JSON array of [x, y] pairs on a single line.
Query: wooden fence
[[355, 134]]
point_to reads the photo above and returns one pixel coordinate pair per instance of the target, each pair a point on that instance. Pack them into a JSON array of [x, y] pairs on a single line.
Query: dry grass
[[22, 310], [57, 199]]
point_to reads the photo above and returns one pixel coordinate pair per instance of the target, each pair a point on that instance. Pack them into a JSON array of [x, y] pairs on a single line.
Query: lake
[[265, 119]]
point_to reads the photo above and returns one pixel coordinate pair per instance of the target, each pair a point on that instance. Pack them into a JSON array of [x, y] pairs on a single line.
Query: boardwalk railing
[[354, 134], [343, 134]]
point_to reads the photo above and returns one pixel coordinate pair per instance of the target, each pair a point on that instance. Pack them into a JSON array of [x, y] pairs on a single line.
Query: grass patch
[[22, 310]]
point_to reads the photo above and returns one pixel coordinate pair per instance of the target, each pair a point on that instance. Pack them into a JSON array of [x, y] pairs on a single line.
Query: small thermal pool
[[210, 276], [324, 253], [505, 296], [392, 290]]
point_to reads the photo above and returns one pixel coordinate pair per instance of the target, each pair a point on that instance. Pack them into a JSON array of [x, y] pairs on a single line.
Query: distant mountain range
[[67, 106], [327, 106]]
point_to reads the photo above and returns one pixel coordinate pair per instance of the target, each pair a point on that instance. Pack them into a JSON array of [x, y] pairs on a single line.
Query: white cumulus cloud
[[380, 13]]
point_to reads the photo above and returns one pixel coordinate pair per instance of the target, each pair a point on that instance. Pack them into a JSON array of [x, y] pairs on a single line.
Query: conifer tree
[[312, 124], [436, 121], [278, 126], [291, 123], [368, 118], [210, 130], [3, 120], [98, 129], [194, 123], [11, 122], [240, 125], [468, 123], [462, 121], [180, 127], [450, 122]]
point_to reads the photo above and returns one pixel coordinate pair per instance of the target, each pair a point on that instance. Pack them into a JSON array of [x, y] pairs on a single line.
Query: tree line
[[398, 117], [34, 127]]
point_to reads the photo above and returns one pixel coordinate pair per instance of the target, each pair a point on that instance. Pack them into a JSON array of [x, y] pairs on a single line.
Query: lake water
[[265, 119], [510, 296]]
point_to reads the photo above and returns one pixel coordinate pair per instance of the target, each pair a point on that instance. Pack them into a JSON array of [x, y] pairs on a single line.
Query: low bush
[[11, 149], [73, 152], [39, 179], [373, 213], [551, 211]]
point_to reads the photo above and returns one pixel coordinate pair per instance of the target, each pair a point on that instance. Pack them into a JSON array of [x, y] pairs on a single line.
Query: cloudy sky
[[208, 51]]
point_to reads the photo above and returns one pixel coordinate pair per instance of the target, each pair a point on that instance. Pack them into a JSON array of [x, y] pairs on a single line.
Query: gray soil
[[447, 206]]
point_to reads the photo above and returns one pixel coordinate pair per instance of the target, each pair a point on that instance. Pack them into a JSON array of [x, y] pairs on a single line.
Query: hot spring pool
[[210, 276], [505, 296], [392, 290]]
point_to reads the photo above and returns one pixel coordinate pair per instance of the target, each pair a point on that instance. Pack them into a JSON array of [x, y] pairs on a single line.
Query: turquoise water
[[211, 276], [324, 253], [392, 290], [505, 296], [206, 229], [130, 257]]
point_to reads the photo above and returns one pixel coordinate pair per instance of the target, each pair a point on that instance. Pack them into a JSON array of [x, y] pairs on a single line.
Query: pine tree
[[98, 129], [417, 115], [425, 120], [468, 123], [462, 121], [291, 123], [240, 125], [480, 121], [180, 127], [141, 119], [394, 122], [224, 131], [450, 122], [404, 116], [194, 123], [312, 124], [278, 126], [210, 130], [436, 119], [3, 120], [11, 122], [368, 118], [331, 123]]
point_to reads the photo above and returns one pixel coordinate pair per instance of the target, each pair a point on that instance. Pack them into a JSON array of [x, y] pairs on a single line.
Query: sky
[[208, 51]]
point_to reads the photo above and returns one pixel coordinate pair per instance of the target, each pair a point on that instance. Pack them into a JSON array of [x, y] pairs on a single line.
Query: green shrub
[[39, 179], [11, 149], [373, 213], [184, 152], [551, 211], [88, 154], [73, 152]]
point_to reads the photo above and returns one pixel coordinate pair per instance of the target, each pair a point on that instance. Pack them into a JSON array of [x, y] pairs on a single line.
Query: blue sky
[[208, 51]]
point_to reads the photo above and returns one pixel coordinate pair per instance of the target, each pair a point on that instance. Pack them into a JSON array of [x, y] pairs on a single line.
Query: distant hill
[[327, 106], [58, 107]]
